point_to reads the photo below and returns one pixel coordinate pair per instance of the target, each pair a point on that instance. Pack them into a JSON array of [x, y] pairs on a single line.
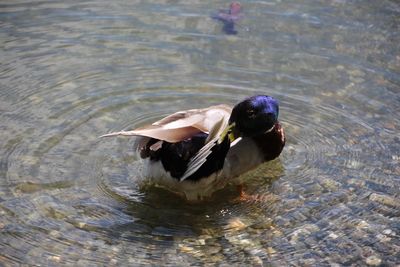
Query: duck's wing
[[181, 125], [169, 135], [213, 139]]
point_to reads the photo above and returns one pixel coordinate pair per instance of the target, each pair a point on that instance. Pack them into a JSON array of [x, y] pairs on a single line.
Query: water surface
[[73, 70]]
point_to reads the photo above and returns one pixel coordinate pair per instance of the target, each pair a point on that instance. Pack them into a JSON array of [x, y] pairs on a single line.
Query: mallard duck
[[197, 152]]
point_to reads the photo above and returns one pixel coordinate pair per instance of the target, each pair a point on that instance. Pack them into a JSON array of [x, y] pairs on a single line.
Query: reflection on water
[[73, 70]]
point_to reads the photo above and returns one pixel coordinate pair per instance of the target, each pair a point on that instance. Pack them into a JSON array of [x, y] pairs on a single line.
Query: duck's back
[[167, 165], [176, 157]]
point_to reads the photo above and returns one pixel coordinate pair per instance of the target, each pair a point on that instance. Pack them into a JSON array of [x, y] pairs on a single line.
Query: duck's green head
[[254, 115]]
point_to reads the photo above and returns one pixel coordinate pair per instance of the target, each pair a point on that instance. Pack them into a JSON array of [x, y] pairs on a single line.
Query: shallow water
[[73, 70]]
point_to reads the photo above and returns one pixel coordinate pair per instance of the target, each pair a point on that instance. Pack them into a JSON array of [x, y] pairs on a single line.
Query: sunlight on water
[[71, 71]]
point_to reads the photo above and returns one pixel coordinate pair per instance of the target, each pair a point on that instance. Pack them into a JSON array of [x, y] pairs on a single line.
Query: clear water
[[73, 70]]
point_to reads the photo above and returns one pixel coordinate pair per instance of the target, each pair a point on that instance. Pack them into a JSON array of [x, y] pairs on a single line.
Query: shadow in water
[[161, 213]]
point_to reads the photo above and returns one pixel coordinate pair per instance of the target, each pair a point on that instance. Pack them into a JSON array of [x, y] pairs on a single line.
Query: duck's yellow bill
[[228, 131]]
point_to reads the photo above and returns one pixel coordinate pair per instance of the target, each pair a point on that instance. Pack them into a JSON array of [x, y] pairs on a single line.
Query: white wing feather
[[184, 124], [180, 125], [201, 156]]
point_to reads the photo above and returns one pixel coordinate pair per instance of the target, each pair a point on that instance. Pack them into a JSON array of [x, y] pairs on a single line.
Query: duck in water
[[197, 152], [229, 17]]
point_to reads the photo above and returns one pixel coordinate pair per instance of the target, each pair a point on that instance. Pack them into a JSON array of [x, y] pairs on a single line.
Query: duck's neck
[[271, 142], [249, 152]]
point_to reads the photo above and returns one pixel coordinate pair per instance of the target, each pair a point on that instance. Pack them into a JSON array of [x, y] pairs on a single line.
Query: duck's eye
[[251, 113]]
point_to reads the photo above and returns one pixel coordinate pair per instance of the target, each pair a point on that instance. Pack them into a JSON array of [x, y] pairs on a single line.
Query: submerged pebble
[[373, 261], [389, 232], [235, 224], [385, 200]]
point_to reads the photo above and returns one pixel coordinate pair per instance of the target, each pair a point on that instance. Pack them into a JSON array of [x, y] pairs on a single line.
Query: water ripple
[[72, 71]]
